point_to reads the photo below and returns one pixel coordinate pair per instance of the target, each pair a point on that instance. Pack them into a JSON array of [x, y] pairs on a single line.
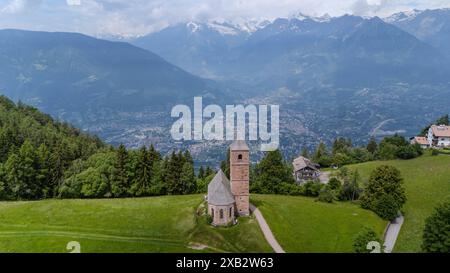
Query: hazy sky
[[137, 17]]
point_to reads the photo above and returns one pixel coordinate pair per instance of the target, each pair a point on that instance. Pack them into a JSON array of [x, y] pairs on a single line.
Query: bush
[[407, 152], [434, 152], [362, 240], [386, 207], [312, 188], [327, 195], [334, 184], [436, 234], [209, 219]]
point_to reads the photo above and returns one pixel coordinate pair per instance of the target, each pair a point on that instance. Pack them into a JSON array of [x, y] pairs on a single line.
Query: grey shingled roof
[[219, 190], [239, 145], [302, 162]]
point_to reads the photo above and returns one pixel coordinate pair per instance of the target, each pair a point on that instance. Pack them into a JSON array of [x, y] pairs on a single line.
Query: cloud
[[14, 6], [137, 17]]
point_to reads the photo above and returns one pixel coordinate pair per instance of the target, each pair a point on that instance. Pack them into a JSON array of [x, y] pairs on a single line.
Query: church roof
[[239, 145], [219, 190], [302, 162]]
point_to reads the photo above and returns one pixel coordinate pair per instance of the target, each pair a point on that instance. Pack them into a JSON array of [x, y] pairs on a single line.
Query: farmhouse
[[439, 136], [305, 170], [226, 198], [422, 141]]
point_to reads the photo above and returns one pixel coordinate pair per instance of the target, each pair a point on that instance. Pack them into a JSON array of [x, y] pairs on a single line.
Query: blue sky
[[138, 17]]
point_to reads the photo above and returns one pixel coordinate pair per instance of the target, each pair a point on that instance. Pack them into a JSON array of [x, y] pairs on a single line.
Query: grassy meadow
[[302, 224], [154, 224], [427, 183]]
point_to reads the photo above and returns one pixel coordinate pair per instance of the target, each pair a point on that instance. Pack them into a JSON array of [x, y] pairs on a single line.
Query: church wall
[[226, 217]]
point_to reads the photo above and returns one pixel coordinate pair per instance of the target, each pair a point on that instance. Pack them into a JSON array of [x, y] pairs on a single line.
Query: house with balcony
[[439, 136]]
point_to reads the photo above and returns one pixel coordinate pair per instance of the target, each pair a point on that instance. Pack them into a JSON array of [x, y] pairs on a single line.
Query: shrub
[[334, 183], [327, 195], [362, 240], [386, 207], [312, 188], [407, 152], [436, 234], [209, 219]]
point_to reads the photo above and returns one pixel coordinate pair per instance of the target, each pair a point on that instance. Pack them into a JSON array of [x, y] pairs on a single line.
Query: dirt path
[[266, 230]]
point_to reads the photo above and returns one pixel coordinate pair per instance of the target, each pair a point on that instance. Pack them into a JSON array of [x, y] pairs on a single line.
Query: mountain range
[[332, 76], [347, 51]]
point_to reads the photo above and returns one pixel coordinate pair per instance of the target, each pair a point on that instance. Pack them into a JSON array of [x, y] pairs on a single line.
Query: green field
[[301, 224], [427, 183], [171, 223], [155, 224]]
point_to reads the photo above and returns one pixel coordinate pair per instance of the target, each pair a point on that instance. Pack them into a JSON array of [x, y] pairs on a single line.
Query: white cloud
[[133, 17], [73, 2], [14, 6]]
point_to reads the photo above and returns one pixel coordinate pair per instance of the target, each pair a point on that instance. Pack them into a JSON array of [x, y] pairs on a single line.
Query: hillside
[[35, 150], [301, 224], [427, 183], [113, 89], [74, 72], [156, 224]]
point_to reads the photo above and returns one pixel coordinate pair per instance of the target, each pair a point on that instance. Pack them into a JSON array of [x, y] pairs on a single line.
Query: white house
[[439, 136]]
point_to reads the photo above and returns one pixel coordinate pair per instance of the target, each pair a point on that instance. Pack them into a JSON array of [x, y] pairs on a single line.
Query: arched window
[[212, 213], [239, 157], [221, 213], [231, 212]]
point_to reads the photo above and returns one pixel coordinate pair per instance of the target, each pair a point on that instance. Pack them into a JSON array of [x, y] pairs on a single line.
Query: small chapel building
[[228, 198]]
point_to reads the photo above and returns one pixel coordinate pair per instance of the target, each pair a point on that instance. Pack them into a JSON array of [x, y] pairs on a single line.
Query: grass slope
[[427, 183], [300, 224], [156, 224]]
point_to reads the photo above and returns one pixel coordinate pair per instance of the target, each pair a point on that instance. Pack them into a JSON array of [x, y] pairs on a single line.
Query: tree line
[[43, 158]]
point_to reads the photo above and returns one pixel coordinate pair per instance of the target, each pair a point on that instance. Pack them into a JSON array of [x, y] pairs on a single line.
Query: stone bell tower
[[239, 175]]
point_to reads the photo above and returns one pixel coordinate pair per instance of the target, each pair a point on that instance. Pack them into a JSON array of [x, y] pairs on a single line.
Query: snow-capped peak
[[223, 28], [193, 26], [403, 16]]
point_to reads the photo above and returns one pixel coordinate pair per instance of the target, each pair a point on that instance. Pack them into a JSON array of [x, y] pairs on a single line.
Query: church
[[228, 198]]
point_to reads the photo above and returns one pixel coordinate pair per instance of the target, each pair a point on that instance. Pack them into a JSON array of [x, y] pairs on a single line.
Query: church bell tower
[[239, 176]]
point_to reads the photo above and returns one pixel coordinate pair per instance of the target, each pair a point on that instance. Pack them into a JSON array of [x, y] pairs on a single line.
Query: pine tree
[[20, 171], [172, 175], [225, 164], [305, 152], [321, 155], [444, 120], [271, 172], [201, 173], [372, 145], [208, 171], [57, 161], [44, 171], [120, 184], [153, 155], [188, 178], [142, 181]]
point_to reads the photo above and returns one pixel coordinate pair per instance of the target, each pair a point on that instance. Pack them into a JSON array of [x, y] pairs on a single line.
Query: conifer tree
[[372, 145], [141, 183], [120, 183], [201, 173], [44, 171], [187, 178]]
